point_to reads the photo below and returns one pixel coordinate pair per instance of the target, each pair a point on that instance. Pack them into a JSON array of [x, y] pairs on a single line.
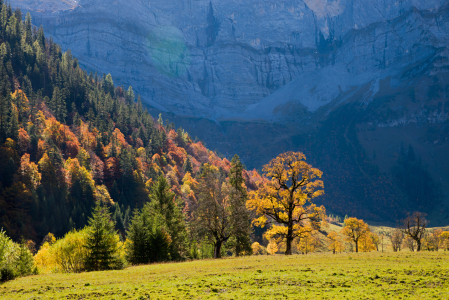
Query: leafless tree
[[396, 238], [219, 214], [415, 227]]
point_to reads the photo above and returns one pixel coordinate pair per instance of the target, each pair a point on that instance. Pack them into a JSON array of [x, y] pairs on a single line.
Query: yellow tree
[[354, 230], [335, 242], [257, 248], [272, 247], [436, 238], [366, 243], [375, 240], [286, 199], [308, 244], [444, 240]]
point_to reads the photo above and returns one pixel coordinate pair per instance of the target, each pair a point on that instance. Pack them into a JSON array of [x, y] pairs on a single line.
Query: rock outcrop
[[246, 59], [348, 82]]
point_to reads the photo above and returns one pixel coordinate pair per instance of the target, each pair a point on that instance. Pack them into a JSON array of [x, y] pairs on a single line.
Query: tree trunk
[[288, 250], [237, 247], [334, 251], [418, 243], [356, 246], [217, 249]]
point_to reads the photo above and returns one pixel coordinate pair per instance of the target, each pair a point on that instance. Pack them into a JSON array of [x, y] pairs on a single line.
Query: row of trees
[[160, 230], [357, 236], [411, 234]]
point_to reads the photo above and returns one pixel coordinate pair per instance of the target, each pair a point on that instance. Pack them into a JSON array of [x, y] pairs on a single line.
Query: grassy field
[[372, 275]]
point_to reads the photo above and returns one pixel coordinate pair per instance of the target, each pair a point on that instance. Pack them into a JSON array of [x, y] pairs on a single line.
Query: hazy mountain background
[[360, 86]]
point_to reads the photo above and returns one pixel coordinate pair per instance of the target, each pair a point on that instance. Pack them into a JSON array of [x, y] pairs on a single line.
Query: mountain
[[69, 139], [366, 79]]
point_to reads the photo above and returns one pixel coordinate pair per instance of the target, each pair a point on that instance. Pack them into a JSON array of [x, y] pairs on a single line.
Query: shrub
[[70, 253], [7, 272], [15, 259]]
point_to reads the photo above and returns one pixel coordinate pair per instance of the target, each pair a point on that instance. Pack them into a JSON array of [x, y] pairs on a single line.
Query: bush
[[70, 253], [7, 273], [15, 259]]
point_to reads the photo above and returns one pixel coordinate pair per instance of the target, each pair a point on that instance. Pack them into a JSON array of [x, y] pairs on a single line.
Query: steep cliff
[[261, 77], [219, 59]]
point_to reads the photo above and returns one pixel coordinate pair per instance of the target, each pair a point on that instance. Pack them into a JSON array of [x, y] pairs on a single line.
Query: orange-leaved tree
[[444, 242], [285, 200], [354, 230]]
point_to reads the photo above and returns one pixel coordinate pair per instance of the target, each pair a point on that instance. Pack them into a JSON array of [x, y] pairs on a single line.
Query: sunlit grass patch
[[372, 275]]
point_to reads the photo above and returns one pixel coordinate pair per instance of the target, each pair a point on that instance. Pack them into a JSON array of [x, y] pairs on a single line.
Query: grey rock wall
[[248, 59]]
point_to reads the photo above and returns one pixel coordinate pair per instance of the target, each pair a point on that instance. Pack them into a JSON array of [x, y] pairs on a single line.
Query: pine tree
[[101, 241]]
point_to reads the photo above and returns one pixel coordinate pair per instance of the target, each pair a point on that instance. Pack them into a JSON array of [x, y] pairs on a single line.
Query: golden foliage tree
[[29, 173], [272, 247], [354, 230], [366, 242], [257, 249], [444, 240], [336, 244], [375, 239], [286, 199], [308, 244]]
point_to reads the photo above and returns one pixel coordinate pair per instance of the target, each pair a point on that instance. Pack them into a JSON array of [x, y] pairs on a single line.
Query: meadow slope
[[374, 275]]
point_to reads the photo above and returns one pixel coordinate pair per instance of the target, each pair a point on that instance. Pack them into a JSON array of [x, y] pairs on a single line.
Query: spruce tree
[[188, 166], [149, 238], [240, 242], [138, 251], [25, 260], [101, 241], [163, 203], [13, 126]]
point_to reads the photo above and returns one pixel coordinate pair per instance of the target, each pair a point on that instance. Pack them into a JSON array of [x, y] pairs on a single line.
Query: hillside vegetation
[[68, 139]]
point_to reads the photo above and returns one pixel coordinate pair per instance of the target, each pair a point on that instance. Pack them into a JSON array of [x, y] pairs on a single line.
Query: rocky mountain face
[[261, 77]]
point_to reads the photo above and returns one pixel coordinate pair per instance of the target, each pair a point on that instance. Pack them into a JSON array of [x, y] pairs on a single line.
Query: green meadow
[[373, 275]]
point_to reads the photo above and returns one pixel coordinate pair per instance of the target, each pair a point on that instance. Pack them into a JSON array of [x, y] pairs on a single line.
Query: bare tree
[[396, 239], [409, 243], [219, 214], [414, 226]]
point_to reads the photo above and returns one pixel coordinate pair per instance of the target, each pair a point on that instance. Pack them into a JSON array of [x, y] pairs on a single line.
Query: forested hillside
[[69, 139]]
